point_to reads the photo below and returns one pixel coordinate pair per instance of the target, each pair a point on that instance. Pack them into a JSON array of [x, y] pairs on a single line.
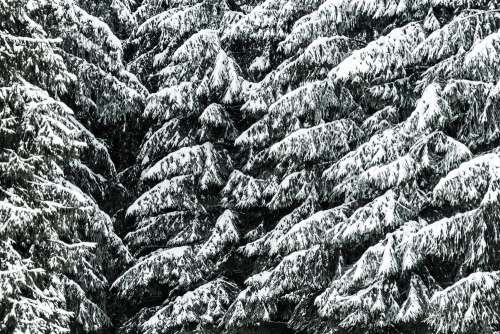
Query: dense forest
[[249, 166]]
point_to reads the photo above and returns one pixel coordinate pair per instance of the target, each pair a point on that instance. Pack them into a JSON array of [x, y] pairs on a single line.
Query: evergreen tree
[[58, 250], [311, 166], [418, 101], [182, 238]]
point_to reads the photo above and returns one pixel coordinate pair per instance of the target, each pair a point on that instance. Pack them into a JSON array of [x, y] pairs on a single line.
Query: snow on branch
[[383, 59], [171, 268], [313, 64], [198, 70], [309, 105], [216, 124], [167, 230], [204, 306], [370, 308], [416, 306], [36, 61], [171, 194], [24, 300], [88, 314], [469, 99], [309, 232], [380, 148], [467, 238], [268, 21], [293, 189], [224, 235], [395, 94], [309, 145], [321, 55], [243, 191], [479, 63], [431, 113], [467, 184], [436, 154], [172, 102], [384, 214], [303, 270], [202, 61], [151, 8], [321, 22], [461, 33], [170, 137], [251, 305], [202, 46], [373, 302], [204, 162], [467, 305], [114, 99], [344, 17], [88, 37], [381, 120], [268, 242], [158, 36]]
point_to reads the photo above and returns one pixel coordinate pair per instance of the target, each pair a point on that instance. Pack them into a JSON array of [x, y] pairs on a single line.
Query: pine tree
[[179, 232], [414, 103], [313, 166], [58, 248]]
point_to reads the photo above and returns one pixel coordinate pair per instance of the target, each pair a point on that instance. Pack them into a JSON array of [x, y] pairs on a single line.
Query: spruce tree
[[59, 252], [310, 166], [181, 236]]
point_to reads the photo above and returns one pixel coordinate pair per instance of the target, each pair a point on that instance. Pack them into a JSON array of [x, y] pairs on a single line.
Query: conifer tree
[[340, 172], [274, 166], [58, 248], [179, 232], [418, 101]]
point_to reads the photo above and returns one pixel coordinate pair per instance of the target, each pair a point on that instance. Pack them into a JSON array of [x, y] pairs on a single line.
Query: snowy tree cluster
[[59, 253], [249, 166]]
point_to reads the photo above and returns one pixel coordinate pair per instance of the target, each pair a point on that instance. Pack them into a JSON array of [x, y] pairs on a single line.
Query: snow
[[480, 62], [307, 233], [169, 267], [294, 188], [397, 100], [417, 303], [446, 41], [206, 303], [305, 144], [264, 244], [243, 191], [175, 193], [374, 60], [417, 161], [224, 235], [389, 265], [453, 306], [468, 183]]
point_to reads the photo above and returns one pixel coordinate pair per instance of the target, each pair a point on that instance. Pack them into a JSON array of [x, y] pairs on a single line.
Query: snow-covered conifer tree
[[179, 231], [273, 166], [58, 248]]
